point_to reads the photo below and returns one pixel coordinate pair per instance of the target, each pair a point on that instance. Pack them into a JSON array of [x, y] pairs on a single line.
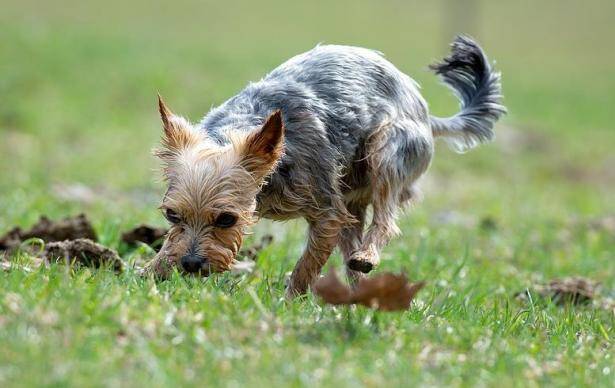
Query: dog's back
[[332, 98], [340, 93]]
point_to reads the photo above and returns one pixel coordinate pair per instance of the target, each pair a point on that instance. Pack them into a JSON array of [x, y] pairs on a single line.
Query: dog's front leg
[[322, 239]]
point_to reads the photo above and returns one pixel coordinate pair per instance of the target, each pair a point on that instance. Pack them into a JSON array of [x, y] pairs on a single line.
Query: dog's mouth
[[206, 269], [204, 272], [238, 267]]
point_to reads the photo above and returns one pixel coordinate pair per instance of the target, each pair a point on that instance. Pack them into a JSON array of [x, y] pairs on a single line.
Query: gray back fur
[[332, 99]]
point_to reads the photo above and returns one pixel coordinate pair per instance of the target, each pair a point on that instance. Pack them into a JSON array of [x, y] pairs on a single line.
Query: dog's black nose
[[192, 263]]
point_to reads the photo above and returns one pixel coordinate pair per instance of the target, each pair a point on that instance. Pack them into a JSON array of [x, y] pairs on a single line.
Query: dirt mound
[[574, 290], [69, 228], [81, 251], [70, 240], [146, 234]]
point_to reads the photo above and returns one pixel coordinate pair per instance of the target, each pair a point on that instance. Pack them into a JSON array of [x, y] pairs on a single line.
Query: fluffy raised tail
[[468, 73]]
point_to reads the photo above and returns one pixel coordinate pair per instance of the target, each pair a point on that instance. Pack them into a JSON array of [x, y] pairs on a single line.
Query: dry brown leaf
[[386, 291], [332, 290]]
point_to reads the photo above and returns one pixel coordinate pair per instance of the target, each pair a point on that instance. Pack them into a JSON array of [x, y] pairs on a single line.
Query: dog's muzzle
[[192, 263]]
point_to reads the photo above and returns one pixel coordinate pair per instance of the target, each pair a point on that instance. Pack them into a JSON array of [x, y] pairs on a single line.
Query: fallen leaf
[[386, 291], [332, 290]]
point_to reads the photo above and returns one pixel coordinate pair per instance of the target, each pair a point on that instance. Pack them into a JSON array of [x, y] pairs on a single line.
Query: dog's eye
[[225, 220], [172, 216]]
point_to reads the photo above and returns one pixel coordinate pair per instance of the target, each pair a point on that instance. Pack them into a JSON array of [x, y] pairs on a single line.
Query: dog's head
[[212, 189]]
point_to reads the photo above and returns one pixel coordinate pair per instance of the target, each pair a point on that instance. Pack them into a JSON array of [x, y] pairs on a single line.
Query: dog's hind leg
[[398, 154], [351, 237], [379, 232]]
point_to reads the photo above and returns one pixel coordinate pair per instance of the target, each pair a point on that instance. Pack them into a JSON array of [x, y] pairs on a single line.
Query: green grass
[[77, 106]]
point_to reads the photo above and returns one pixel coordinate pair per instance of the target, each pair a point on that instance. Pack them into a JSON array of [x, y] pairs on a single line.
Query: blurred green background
[[79, 79], [78, 84]]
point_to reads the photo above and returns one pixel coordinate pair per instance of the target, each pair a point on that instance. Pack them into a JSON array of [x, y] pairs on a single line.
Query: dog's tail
[[468, 73]]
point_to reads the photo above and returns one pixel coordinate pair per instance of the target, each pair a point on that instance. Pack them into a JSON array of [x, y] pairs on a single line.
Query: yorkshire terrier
[[323, 136]]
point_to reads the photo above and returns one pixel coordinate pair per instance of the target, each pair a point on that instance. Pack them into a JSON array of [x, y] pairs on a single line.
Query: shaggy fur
[[322, 137]]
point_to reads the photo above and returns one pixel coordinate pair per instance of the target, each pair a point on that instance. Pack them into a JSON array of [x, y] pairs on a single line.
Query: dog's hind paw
[[363, 261], [360, 265]]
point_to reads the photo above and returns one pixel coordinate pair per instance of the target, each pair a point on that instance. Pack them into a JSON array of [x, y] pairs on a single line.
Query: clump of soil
[[251, 253], [71, 240], [69, 228], [10, 240], [146, 234], [386, 291], [574, 290], [81, 251]]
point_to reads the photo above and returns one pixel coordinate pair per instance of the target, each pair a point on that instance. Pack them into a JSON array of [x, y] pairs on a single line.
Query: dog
[[323, 136]]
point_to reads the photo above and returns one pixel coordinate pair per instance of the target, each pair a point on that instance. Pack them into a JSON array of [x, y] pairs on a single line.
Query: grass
[[77, 86]]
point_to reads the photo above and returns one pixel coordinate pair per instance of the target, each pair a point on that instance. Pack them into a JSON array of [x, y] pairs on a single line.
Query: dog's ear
[[177, 132], [264, 147]]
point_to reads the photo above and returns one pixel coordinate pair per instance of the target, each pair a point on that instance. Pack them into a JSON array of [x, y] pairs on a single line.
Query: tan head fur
[[212, 188]]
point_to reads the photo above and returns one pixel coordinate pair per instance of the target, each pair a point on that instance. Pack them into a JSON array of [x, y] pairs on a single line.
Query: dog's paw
[[363, 261]]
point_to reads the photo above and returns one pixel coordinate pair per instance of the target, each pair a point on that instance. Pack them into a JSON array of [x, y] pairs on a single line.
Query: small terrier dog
[[322, 137]]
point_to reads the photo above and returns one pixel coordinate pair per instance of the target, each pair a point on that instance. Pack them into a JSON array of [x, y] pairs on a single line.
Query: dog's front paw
[[158, 267]]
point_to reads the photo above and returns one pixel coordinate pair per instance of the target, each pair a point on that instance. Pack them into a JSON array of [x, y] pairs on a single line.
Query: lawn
[[78, 84]]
